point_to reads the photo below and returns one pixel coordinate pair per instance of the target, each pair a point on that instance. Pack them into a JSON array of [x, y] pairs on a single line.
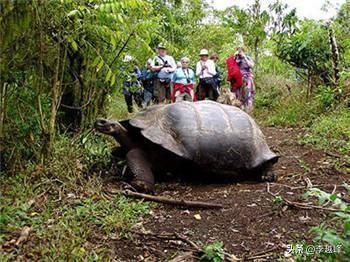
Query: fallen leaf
[[24, 235], [71, 195], [186, 212], [252, 205], [197, 217], [304, 218]]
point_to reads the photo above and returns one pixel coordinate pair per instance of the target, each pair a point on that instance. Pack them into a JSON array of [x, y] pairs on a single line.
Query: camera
[[166, 64]]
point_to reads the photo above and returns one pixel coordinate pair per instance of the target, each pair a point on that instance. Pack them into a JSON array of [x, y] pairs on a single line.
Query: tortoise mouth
[[104, 126]]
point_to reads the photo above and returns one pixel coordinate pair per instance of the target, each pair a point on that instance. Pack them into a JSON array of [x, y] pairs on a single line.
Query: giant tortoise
[[203, 137]]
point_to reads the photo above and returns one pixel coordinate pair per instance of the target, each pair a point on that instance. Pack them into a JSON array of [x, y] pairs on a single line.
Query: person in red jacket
[[239, 74]]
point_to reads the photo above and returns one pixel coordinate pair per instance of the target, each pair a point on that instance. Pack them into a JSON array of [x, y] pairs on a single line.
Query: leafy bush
[[325, 96], [330, 131], [268, 97], [21, 129], [64, 204], [213, 252], [293, 110], [334, 233], [117, 108]]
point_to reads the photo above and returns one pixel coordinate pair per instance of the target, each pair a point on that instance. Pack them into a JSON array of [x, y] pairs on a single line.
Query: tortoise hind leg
[[143, 178]]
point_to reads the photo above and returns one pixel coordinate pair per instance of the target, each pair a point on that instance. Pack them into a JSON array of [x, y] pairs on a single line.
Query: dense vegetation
[[61, 67]]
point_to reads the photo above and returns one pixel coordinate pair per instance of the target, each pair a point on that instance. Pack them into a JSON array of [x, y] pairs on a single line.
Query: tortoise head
[[109, 127], [115, 129]]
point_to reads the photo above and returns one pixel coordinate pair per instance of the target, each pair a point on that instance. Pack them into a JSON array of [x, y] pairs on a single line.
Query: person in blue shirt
[[183, 80], [148, 78]]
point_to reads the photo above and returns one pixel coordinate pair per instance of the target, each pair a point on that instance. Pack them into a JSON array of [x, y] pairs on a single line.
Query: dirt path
[[253, 221]]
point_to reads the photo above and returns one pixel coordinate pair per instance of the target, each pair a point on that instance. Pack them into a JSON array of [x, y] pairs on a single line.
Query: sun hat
[[161, 46], [204, 52]]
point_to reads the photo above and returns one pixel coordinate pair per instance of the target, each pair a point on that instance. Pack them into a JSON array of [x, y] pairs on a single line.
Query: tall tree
[[250, 24]]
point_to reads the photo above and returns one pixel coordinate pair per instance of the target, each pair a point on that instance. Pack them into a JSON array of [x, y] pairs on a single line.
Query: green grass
[[325, 120], [118, 109], [63, 203], [289, 111], [330, 131]]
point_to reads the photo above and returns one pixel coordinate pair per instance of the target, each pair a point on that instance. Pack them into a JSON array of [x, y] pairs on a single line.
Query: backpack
[[234, 75]]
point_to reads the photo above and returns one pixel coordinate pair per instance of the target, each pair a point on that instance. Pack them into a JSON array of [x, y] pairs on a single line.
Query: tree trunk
[[256, 56], [3, 93], [308, 88], [54, 102], [335, 55], [56, 95]]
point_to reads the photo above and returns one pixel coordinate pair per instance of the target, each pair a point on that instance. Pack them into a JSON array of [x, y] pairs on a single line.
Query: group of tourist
[[165, 81]]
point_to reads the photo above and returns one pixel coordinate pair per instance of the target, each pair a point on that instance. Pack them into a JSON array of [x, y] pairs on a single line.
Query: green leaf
[[113, 80], [113, 42], [120, 18], [347, 187], [333, 197], [95, 62], [100, 65], [73, 13], [74, 45], [347, 227], [108, 76]]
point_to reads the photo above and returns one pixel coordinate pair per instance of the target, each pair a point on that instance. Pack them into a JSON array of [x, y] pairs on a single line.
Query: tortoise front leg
[[267, 174], [143, 178]]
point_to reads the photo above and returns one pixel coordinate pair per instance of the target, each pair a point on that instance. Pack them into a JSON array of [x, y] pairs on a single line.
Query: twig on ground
[[333, 154], [169, 201], [197, 250], [258, 257], [299, 204], [183, 257], [171, 236], [189, 242], [308, 182], [264, 251], [333, 191], [158, 252], [290, 187]]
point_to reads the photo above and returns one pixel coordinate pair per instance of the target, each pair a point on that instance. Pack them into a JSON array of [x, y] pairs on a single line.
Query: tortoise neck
[[124, 139]]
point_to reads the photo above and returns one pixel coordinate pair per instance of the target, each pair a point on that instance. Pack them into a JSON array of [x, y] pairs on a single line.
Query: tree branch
[[168, 201]]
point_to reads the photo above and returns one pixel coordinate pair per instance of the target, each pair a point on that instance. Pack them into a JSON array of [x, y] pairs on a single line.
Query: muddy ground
[[254, 225]]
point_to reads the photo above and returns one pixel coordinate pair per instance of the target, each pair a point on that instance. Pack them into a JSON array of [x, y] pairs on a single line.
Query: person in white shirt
[[165, 66], [205, 70]]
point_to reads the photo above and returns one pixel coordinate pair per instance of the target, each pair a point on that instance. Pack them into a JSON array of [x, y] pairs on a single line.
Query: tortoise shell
[[213, 135]]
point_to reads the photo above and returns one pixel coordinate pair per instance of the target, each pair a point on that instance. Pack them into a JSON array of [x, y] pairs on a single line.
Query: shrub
[[325, 96], [213, 252], [330, 131], [334, 233]]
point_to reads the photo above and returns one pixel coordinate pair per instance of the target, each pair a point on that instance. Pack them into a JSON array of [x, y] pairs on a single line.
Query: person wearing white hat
[[205, 70], [164, 65]]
